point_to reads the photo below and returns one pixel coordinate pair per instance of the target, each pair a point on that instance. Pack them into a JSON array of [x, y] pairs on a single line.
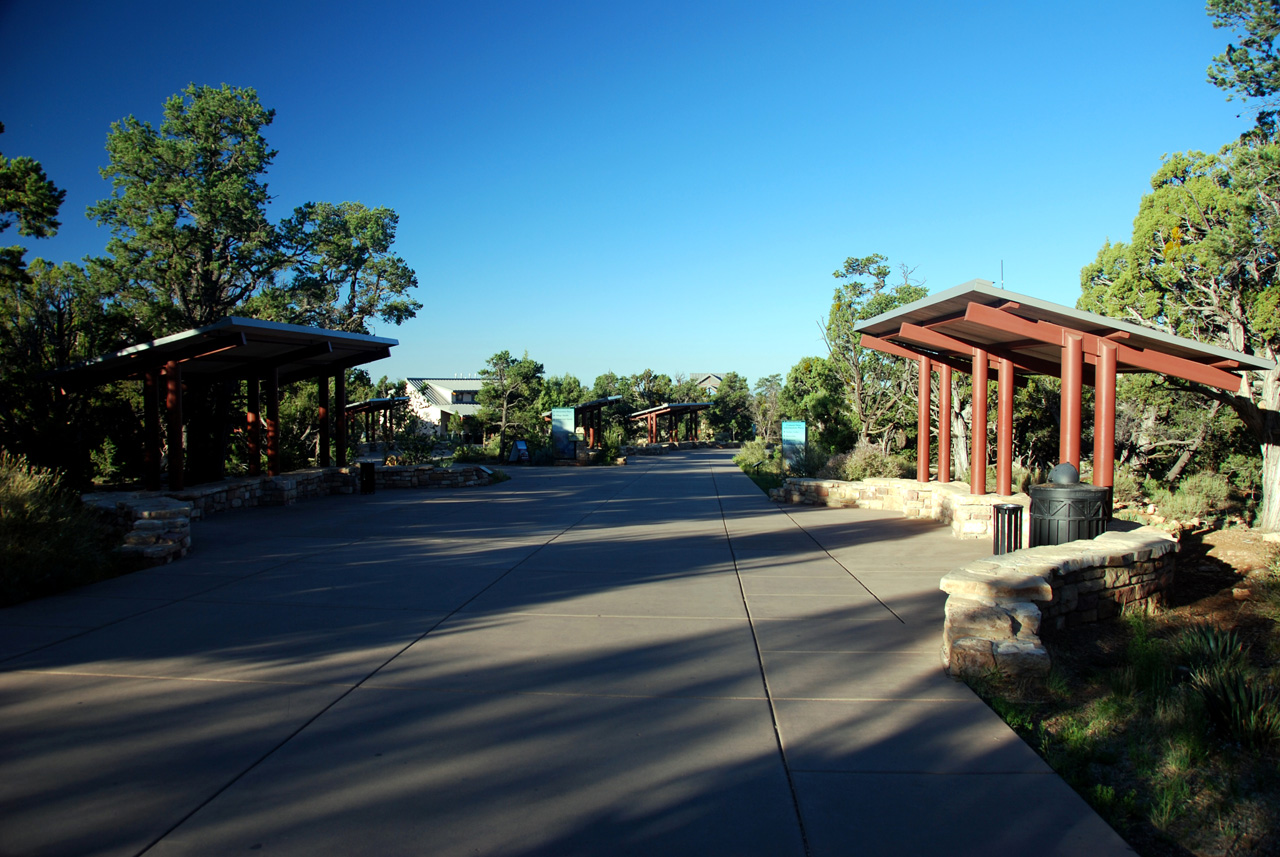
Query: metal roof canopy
[[263, 353], [673, 413], [668, 408], [1027, 331], [238, 348], [976, 327], [371, 405]]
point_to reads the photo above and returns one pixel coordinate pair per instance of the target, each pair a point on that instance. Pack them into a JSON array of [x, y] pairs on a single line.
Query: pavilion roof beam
[[897, 349], [1137, 358], [945, 342], [333, 366]]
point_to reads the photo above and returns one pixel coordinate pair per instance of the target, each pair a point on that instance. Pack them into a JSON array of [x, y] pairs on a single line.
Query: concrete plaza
[[641, 660]]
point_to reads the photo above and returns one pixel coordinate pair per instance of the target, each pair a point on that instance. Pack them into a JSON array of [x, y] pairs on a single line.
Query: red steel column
[[322, 414], [1104, 416], [978, 448], [1004, 430], [944, 425], [151, 430], [173, 404], [922, 419], [253, 417], [340, 412], [1072, 376], [273, 422]]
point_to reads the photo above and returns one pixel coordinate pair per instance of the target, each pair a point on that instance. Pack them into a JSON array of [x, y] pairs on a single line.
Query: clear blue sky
[[621, 186]]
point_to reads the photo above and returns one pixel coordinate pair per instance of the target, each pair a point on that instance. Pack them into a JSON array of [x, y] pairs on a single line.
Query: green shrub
[[49, 540], [1198, 496], [753, 452], [1127, 488], [868, 461], [469, 454], [812, 458]]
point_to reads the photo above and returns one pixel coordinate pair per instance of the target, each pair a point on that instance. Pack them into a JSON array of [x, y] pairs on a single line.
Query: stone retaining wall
[[997, 608], [156, 527], [970, 515]]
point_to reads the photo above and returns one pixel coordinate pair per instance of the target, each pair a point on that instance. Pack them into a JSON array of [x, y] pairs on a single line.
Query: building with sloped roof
[[435, 400]]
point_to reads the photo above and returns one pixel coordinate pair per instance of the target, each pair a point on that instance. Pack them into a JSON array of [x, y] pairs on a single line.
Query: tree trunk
[[1194, 446]]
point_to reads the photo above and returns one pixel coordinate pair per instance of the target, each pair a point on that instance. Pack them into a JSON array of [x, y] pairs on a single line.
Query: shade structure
[[589, 416], [672, 413], [979, 329], [262, 353]]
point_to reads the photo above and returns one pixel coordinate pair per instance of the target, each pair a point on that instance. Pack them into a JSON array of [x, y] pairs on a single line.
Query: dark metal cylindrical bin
[[368, 480], [1065, 510], [1006, 528]]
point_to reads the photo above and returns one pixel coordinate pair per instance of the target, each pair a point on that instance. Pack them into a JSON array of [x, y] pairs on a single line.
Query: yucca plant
[[1237, 707], [1207, 645]]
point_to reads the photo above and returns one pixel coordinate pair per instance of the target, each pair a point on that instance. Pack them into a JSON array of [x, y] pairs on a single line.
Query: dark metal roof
[[237, 348]]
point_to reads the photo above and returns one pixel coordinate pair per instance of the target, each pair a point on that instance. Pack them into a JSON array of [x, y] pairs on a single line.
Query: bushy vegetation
[[865, 461], [1177, 741], [49, 540]]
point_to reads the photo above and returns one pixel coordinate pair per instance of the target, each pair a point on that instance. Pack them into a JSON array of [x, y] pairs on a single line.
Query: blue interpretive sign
[[795, 434], [563, 439]]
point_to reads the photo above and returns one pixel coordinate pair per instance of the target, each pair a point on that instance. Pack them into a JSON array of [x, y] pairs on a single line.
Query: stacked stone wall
[[970, 516], [155, 527], [999, 608]]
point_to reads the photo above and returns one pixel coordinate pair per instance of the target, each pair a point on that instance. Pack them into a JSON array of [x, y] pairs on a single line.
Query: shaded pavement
[[635, 660]]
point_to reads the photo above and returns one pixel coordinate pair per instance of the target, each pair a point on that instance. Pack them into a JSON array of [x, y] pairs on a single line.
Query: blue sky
[[614, 187]]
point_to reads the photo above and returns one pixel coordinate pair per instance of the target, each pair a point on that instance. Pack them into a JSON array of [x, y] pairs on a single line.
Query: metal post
[[273, 422], [944, 425], [173, 404], [151, 430], [340, 412], [1104, 416], [978, 448], [253, 418], [922, 419], [323, 415], [1004, 429], [1072, 376]]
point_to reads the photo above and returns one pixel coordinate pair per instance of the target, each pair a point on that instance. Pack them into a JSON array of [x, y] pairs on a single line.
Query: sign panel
[[795, 434], [519, 452], [562, 437]]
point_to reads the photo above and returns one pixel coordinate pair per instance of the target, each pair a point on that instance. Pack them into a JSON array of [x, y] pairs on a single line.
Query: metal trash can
[[1065, 510], [1006, 528], [368, 480]]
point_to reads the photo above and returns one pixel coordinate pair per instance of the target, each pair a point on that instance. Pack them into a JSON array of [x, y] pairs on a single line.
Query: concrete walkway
[[641, 660]]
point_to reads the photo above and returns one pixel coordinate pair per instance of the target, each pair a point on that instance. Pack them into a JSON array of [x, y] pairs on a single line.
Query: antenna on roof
[[1002, 273]]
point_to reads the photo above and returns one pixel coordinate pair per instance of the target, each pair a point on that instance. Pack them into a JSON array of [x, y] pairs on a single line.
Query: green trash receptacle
[[1065, 510]]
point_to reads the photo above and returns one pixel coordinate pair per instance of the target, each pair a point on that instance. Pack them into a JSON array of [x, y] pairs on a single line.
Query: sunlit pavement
[[646, 660]]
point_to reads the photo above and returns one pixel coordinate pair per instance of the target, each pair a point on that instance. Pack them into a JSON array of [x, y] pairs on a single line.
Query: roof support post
[[1072, 375], [151, 430], [273, 421], [340, 413], [1104, 416], [1004, 430], [944, 424], [322, 414], [978, 449], [253, 421], [922, 419], [173, 404]]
